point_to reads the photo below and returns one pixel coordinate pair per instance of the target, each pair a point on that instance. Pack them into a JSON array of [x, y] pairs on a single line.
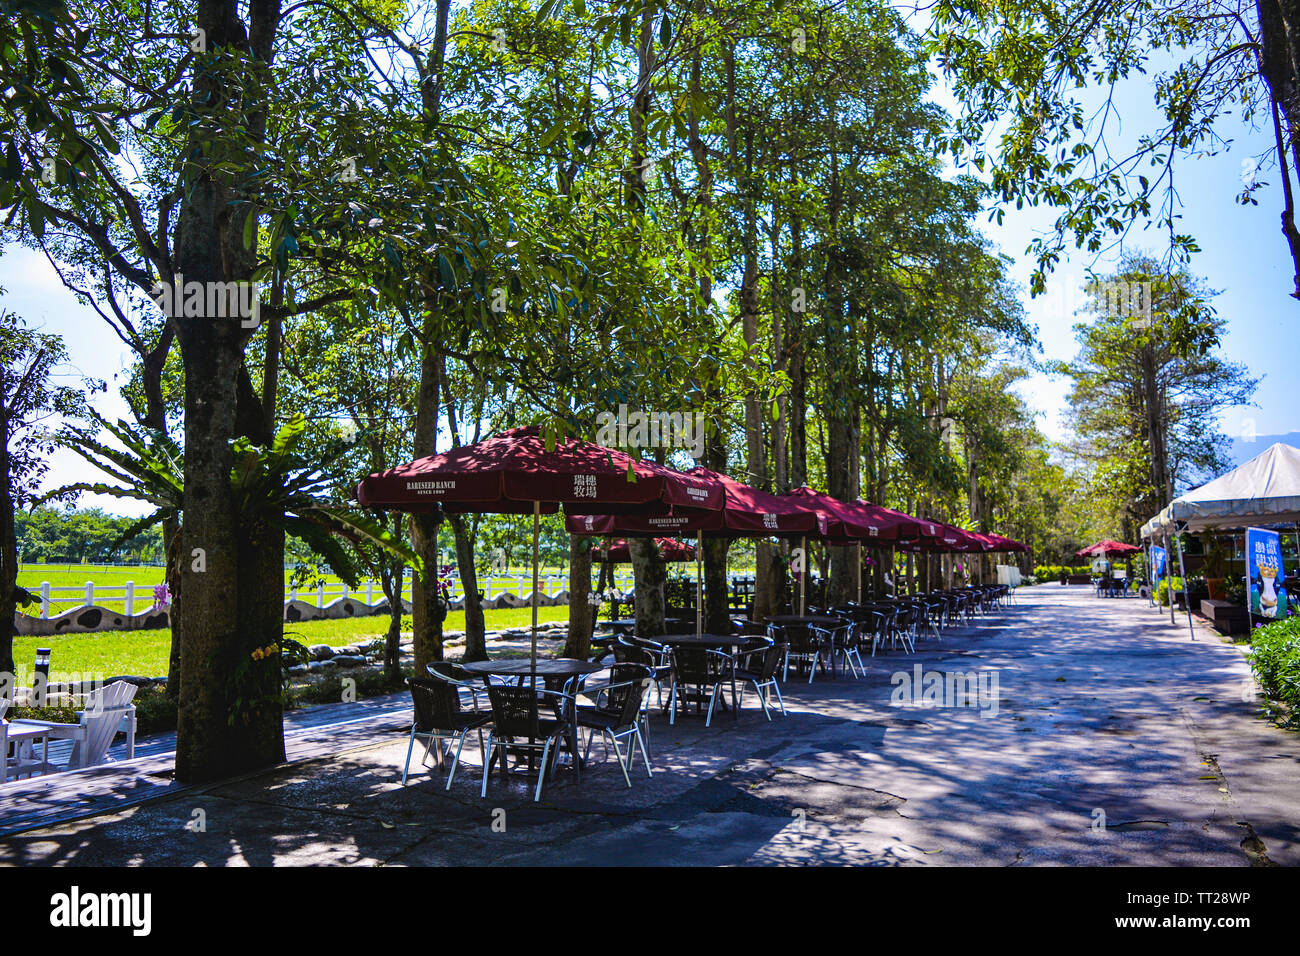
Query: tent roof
[[1264, 490]]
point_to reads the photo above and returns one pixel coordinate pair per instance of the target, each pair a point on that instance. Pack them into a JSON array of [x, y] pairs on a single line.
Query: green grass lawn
[[144, 653]]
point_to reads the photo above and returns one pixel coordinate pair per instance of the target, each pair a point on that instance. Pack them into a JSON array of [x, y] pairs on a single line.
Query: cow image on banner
[[1264, 572]]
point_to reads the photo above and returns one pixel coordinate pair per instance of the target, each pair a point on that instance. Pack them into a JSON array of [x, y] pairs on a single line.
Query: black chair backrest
[[801, 637], [514, 710], [695, 665], [436, 703], [626, 699]]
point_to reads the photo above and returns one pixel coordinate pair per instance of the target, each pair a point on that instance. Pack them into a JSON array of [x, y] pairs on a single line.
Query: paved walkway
[[1110, 738]]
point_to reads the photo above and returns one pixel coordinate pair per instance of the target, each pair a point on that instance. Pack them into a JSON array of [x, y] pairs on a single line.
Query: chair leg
[[618, 753], [779, 700], [405, 770], [762, 699], [455, 761], [645, 754], [541, 771], [672, 703], [713, 696], [487, 764]]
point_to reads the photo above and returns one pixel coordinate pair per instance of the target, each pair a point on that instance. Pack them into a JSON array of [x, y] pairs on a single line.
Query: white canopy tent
[[1262, 491]]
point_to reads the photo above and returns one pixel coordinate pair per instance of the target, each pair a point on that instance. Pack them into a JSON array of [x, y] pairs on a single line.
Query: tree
[[1148, 387], [29, 399], [1018, 69]]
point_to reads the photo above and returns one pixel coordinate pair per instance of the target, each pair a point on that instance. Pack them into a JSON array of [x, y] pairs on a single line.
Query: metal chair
[[518, 726], [618, 714], [761, 674], [438, 717], [698, 673]]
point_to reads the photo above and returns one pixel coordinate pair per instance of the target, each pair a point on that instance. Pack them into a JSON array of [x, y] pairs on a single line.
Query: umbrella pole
[[859, 572], [1187, 599], [803, 575], [537, 527], [699, 587]]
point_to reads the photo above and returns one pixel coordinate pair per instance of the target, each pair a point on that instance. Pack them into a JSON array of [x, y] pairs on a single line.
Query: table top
[[35, 729], [624, 622], [523, 667], [707, 640]]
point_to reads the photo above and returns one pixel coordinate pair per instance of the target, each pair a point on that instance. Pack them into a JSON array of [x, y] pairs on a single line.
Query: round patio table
[[523, 667]]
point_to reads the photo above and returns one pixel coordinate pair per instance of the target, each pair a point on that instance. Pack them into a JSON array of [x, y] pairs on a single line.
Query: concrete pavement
[[1099, 735]]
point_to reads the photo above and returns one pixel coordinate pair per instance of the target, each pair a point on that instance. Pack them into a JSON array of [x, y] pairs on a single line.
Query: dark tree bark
[[582, 613], [475, 628], [232, 576]]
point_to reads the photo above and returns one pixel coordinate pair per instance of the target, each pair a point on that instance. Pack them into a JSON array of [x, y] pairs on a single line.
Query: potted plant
[[1216, 567]]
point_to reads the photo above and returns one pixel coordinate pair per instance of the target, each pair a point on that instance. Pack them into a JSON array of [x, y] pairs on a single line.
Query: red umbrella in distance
[[1107, 547]]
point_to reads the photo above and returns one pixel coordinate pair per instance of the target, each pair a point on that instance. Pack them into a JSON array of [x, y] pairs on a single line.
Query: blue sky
[[1243, 254]]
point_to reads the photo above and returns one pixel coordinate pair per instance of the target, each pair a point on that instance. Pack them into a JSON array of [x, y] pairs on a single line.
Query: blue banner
[[1158, 558], [1265, 574]]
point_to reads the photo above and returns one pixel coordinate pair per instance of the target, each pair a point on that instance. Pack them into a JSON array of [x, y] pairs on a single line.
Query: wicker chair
[[438, 717], [519, 727], [618, 713], [757, 664]]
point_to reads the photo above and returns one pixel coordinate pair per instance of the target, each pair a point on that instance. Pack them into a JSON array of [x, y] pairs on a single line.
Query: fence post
[[129, 601], [45, 600], [320, 594], [370, 592], [293, 595], [90, 593]]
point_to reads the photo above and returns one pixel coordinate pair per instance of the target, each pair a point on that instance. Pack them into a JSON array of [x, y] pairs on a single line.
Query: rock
[[320, 652], [300, 668], [348, 660], [317, 666]]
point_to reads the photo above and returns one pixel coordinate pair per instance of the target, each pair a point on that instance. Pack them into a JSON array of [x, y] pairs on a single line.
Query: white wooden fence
[[138, 599]]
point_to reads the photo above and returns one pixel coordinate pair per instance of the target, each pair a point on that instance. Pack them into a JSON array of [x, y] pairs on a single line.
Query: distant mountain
[[1242, 451]]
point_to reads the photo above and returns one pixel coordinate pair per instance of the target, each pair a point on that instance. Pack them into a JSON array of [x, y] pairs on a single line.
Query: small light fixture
[[43, 662]]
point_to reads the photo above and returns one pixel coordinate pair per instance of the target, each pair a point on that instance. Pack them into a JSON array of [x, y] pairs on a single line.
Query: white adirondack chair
[[108, 711]]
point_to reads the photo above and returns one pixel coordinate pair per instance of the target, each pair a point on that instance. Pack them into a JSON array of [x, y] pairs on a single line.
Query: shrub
[[1162, 591], [1275, 661], [155, 712]]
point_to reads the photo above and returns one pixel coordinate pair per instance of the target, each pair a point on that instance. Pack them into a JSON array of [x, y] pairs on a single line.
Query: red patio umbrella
[[514, 468], [747, 512], [670, 549], [1107, 547]]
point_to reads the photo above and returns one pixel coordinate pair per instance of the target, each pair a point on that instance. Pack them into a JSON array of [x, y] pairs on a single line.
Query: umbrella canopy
[[509, 471], [670, 549], [856, 520], [746, 512], [950, 538], [1107, 546]]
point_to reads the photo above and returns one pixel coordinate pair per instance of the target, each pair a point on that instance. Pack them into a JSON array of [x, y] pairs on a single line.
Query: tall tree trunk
[[582, 612], [230, 708], [427, 609], [475, 628], [651, 575]]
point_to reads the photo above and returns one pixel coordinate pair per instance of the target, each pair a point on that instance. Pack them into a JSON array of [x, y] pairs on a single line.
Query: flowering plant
[[161, 596]]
